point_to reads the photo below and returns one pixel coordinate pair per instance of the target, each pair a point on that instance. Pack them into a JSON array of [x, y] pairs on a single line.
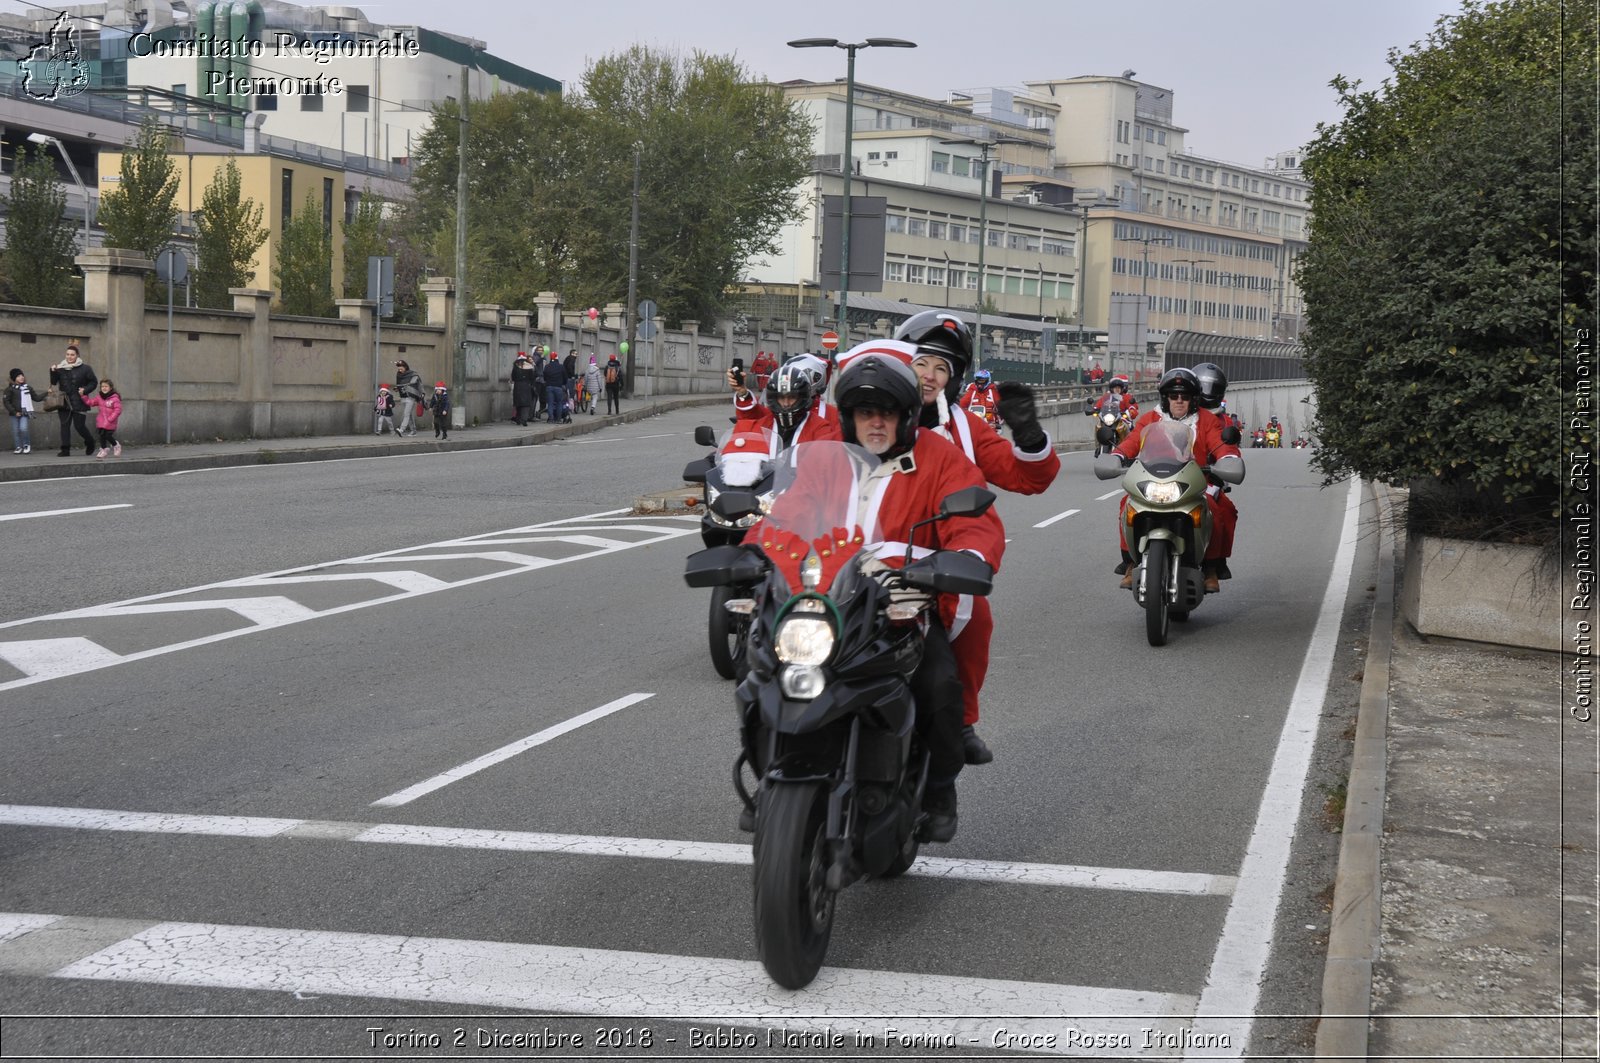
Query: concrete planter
[[1487, 592]]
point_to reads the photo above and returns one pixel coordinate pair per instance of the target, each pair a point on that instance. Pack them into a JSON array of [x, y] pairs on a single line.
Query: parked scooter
[[827, 718], [1166, 521]]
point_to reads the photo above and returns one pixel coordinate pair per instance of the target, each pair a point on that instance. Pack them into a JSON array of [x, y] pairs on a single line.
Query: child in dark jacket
[[440, 405], [22, 402]]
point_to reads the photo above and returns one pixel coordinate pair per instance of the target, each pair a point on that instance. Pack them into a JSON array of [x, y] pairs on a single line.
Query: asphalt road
[[436, 735]]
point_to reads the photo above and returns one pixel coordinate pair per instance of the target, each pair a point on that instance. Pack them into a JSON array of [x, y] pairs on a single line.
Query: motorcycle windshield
[[822, 486], [745, 455], [1166, 447]]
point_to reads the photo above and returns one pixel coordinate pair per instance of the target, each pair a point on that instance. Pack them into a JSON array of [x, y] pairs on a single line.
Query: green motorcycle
[[1166, 521]]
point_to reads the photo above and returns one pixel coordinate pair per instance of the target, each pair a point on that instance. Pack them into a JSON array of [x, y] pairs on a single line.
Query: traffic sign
[[830, 341], [646, 327]]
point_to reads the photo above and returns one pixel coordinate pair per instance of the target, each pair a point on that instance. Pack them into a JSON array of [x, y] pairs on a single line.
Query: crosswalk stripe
[[943, 1011], [1131, 880], [49, 658]]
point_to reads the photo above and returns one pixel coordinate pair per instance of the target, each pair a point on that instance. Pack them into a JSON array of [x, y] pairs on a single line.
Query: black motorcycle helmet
[[1213, 384], [879, 382], [792, 379], [1178, 382], [942, 333]]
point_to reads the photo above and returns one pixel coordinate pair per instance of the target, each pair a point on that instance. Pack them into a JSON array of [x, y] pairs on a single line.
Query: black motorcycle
[[827, 717], [742, 459]]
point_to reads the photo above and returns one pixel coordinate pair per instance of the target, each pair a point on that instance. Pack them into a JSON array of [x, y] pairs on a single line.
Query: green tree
[[39, 238], [550, 183], [140, 213], [305, 263], [1452, 251], [365, 235], [228, 233]]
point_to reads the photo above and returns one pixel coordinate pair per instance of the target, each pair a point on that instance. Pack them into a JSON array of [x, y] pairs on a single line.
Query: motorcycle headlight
[[1108, 419], [1161, 493], [806, 640]]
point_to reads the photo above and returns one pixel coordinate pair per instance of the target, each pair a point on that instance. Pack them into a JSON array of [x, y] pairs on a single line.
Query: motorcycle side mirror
[[967, 502], [1230, 436], [695, 472], [732, 505], [1108, 466], [705, 436], [1106, 436], [1229, 469]]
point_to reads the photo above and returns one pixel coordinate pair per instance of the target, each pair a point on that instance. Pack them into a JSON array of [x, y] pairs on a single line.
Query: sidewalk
[[158, 458], [1472, 816]]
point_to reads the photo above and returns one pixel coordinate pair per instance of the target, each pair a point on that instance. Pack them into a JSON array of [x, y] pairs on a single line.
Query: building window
[[891, 155], [1149, 135], [996, 238], [1149, 163], [961, 166], [327, 205], [1161, 166], [916, 273], [268, 100], [288, 194], [894, 271], [873, 156], [357, 98], [918, 227], [941, 162], [935, 275], [937, 230], [894, 223], [1161, 136], [958, 233], [972, 280], [311, 101]]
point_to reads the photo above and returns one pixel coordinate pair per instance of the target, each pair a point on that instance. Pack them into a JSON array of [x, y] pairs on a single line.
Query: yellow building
[[279, 185]]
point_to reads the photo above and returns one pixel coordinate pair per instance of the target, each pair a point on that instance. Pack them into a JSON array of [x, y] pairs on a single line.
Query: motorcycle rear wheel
[[727, 634], [1157, 562], [793, 906]]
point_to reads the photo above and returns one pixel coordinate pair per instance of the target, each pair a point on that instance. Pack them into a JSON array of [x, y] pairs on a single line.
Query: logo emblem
[[56, 69]]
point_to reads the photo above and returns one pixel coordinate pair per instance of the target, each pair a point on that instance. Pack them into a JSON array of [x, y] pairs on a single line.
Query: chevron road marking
[[940, 1011], [1001, 872], [42, 660]]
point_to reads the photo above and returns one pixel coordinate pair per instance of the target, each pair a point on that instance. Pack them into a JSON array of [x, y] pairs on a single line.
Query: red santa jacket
[[1001, 463], [822, 422], [987, 397], [1208, 444], [1123, 407]]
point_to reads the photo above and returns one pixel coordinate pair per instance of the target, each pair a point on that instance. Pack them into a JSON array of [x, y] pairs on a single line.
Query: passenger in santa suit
[[1180, 393], [796, 410], [879, 400], [980, 395], [1027, 465], [1117, 391]]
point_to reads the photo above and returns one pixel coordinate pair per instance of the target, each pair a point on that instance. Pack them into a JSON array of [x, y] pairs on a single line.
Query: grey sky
[[1250, 76]]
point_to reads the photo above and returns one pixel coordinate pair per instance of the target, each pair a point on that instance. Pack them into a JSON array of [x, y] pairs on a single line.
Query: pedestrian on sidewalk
[[383, 409], [74, 379], [105, 420], [440, 405], [523, 382], [613, 375], [22, 402], [593, 382], [570, 368], [408, 397], [555, 386]]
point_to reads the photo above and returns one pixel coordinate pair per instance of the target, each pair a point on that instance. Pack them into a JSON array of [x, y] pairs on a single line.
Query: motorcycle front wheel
[[793, 906], [727, 634], [1157, 563]]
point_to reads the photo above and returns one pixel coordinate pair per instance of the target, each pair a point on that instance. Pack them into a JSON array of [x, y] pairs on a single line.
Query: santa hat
[[383, 387], [439, 386]]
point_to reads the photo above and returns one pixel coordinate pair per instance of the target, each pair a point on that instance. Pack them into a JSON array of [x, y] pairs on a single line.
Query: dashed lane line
[[1059, 516], [943, 1011], [64, 512], [1109, 494], [1000, 872]]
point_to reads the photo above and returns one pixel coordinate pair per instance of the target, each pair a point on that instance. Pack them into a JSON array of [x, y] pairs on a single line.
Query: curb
[[284, 450], [1354, 933]]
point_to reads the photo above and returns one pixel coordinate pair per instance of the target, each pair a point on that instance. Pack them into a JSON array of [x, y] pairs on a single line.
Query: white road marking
[[488, 760], [1059, 516], [52, 658], [1109, 494], [542, 979], [15, 924], [1233, 984], [1000, 872], [64, 512], [273, 610]]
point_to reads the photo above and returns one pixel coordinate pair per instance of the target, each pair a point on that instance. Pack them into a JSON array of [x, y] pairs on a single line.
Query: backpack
[[612, 375]]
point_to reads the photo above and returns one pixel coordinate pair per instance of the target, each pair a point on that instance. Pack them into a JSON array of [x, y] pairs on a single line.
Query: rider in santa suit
[[797, 409], [1027, 465], [980, 393]]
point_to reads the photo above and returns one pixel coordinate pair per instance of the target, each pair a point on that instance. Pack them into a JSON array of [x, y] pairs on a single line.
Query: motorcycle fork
[[842, 812]]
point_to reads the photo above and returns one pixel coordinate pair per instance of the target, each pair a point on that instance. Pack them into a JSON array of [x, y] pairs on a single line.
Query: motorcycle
[[1166, 520], [1274, 438], [1119, 422], [742, 460], [827, 717]]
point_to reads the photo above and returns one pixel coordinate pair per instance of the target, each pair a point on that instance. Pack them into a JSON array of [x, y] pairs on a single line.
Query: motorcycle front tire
[[1157, 566], [793, 906], [727, 634]]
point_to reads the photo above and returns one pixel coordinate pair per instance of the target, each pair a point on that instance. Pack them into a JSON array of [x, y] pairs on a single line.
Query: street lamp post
[[946, 255], [40, 138], [983, 226], [1192, 263], [1144, 293], [845, 168]]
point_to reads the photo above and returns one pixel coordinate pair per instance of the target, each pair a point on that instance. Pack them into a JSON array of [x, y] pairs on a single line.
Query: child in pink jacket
[[105, 421]]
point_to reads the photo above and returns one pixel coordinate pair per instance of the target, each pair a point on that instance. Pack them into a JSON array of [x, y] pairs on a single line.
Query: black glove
[[1018, 411]]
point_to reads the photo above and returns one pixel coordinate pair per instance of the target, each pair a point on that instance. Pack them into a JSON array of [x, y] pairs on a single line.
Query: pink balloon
[[593, 313]]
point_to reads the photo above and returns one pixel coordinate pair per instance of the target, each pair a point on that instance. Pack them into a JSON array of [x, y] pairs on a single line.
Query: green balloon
[[623, 346]]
